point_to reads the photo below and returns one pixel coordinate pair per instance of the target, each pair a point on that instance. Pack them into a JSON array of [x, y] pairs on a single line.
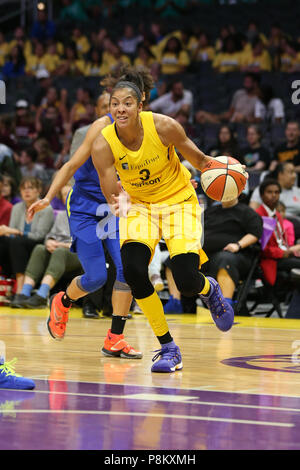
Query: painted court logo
[[272, 363], [2, 92]]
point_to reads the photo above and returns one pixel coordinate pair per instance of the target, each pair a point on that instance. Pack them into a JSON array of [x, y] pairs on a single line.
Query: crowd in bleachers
[[230, 91], [96, 53]]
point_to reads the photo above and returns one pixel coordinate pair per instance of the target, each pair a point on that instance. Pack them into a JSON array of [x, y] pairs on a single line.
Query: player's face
[[124, 107]]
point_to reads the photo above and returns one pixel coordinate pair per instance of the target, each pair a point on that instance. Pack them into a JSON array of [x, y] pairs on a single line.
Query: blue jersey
[[89, 215], [87, 181]]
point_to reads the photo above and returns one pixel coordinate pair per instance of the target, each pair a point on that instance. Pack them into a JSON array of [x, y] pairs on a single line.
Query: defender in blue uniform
[[90, 220], [92, 225]]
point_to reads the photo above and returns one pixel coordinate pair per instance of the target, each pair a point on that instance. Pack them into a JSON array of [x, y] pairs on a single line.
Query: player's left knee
[[188, 279], [188, 286]]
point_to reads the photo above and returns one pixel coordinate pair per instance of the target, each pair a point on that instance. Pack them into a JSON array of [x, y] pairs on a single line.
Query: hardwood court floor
[[234, 386]]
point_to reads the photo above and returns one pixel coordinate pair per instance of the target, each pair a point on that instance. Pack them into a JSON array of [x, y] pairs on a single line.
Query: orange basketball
[[223, 179]]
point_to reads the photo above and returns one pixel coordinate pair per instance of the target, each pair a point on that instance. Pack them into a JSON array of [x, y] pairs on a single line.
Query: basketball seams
[[223, 167], [215, 181], [230, 176], [226, 176], [235, 171]]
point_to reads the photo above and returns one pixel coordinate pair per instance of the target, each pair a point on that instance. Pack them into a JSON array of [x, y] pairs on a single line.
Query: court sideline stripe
[[156, 415], [189, 401]]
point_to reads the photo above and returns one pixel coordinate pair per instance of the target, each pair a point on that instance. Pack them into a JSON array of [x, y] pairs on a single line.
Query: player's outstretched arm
[[68, 170], [103, 160], [171, 132]]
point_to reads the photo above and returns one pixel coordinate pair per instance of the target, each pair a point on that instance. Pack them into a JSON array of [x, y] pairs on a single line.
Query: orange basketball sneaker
[[58, 318], [116, 346]]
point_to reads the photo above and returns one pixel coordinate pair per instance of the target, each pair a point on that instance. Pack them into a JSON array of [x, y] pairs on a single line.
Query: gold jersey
[[152, 174]]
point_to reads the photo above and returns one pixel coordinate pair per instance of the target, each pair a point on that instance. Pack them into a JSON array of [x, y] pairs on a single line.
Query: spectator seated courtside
[[49, 262], [231, 229], [278, 257], [19, 237]]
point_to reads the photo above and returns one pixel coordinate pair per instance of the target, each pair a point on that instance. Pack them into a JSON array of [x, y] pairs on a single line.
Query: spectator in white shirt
[[129, 41], [267, 107], [242, 105], [177, 99]]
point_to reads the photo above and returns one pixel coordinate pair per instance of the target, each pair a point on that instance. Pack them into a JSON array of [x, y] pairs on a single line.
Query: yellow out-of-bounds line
[[202, 317], [27, 312]]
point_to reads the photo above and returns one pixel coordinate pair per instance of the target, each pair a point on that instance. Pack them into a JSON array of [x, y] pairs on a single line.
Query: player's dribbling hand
[[206, 160], [36, 207], [121, 203], [194, 183], [246, 173]]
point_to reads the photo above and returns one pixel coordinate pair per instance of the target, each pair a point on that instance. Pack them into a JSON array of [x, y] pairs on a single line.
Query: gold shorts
[[179, 224]]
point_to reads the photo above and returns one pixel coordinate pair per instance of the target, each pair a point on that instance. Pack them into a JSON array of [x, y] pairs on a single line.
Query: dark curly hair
[[140, 76]]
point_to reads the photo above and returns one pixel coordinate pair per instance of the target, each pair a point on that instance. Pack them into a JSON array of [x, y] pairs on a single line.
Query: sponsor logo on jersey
[[139, 184], [146, 162]]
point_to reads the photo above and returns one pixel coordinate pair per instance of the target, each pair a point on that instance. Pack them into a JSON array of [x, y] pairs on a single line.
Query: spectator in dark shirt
[[50, 127], [24, 124], [226, 144], [290, 149], [15, 65], [10, 190], [45, 156], [44, 82], [7, 132], [254, 156], [231, 228], [9, 163], [43, 29]]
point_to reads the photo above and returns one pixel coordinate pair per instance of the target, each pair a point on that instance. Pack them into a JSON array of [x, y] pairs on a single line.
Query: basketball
[[223, 179]]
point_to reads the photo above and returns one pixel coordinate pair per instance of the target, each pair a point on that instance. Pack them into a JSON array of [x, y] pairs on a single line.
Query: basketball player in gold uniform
[[160, 201]]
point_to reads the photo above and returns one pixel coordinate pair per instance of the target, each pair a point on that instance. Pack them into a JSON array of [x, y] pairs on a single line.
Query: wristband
[[239, 245]]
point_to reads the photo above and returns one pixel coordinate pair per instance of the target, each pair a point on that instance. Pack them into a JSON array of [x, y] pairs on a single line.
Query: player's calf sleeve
[[152, 307], [135, 258]]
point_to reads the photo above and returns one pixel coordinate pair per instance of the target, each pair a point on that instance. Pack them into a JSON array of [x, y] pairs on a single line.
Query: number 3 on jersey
[[146, 174]]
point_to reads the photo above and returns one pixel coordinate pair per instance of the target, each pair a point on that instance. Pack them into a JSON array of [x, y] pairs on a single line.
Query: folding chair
[[265, 293]]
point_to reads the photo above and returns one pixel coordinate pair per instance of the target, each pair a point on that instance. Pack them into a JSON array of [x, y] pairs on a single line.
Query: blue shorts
[[93, 226]]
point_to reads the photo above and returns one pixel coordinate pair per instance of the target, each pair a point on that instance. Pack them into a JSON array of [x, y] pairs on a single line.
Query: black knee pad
[[187, 277], [135, 258]]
